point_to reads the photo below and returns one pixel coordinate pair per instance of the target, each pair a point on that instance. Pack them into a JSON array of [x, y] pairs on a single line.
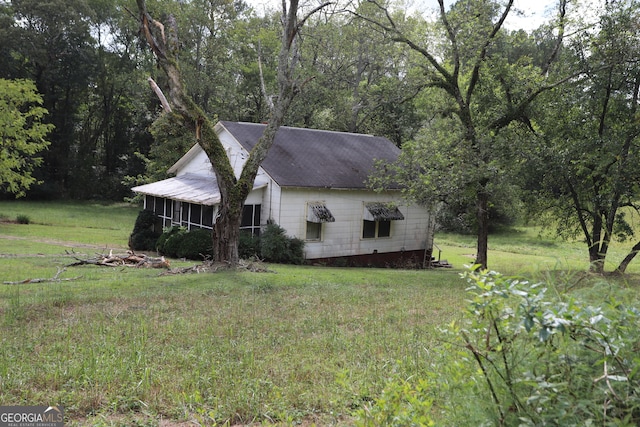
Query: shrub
[[276, 246], [162, 240], [177, 242], [195, 244], [143, 238], [248, 246], [523, 357], [170, 240], [403, 403], [23, 219]]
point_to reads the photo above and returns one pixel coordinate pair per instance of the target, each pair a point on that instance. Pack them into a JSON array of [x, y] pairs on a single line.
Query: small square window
[[368, 229], [314, 230], [384, 228], [375, 229]]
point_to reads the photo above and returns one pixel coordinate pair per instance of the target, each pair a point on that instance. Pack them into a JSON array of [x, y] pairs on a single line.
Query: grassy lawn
[[126, 346]]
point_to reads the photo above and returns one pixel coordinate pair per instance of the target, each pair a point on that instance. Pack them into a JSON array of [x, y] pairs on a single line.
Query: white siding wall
[[288, 208], [199, 164], [344, 236], [256, 197]]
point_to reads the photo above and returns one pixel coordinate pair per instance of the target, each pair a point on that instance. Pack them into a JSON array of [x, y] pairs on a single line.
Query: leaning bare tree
[[163, 41]]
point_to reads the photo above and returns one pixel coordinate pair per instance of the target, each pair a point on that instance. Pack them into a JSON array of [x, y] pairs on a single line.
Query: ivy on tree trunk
[[233, 191]]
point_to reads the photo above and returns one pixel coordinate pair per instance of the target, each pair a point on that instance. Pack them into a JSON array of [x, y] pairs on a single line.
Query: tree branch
[[475, 74], [54, 279], [160, 95]]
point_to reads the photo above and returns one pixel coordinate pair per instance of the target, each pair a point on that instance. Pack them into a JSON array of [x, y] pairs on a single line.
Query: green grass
[[528, 250], [126, 346]]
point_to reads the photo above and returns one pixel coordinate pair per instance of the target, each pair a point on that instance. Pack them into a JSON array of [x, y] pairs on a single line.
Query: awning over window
[[317, 212], [382, 212]]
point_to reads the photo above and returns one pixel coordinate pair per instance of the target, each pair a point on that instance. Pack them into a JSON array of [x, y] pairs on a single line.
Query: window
[[368, 229], [207, 216], [177, 210], [384, 228], [375, 229], [317, 214], [377, 219], [314, 230], [251, 219]]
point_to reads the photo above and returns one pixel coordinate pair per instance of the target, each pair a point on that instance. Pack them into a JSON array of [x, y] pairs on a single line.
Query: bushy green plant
[[276, 246], [195, 244], [178, 242], [168, 241], [143, 238], [248, 246], [23, 219], [402, 404], [525, 356]]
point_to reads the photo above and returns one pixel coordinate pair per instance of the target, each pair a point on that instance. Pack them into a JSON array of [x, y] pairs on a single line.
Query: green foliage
[[276, 246], [143, 238], [178, 242], [586, 167], [171, 141], [248, 246], [195, 244], [22, 134], [523, 355], [23, 219], [163, 245], [402, 404]]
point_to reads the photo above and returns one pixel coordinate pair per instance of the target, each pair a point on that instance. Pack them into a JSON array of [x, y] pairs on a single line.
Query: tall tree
[[185, 113], [22, 134], [590, 137], [361, 81], [478, 91], [82, 56], [52, 45]]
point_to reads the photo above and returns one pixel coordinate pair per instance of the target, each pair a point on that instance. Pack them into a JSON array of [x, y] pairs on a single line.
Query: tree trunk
[[627, 260], [596, 259], [225, 235], [233, 192], [482, 212]]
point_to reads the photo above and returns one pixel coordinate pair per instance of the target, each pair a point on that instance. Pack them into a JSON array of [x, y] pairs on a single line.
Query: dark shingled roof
[[317, 158]]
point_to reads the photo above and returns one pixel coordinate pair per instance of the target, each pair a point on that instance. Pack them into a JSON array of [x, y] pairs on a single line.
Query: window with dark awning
[[382, 212], [318, 212]]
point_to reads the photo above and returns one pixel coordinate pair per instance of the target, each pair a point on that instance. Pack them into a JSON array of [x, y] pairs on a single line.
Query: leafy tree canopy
[[22, 134]]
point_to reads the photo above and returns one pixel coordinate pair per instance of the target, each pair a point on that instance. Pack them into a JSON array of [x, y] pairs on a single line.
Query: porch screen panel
[[148, 203], [158, 206], [185, 213], [207, 216], [175, 217], [251, 219], [196, 215]]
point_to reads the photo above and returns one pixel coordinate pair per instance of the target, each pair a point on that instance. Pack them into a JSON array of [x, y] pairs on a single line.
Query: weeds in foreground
[[297, 343], [526, 356]]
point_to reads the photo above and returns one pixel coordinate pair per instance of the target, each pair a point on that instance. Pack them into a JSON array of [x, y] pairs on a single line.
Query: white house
[[313, 184]]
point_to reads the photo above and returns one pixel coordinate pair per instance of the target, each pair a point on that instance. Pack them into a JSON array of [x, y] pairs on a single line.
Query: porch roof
[[190, 188]]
